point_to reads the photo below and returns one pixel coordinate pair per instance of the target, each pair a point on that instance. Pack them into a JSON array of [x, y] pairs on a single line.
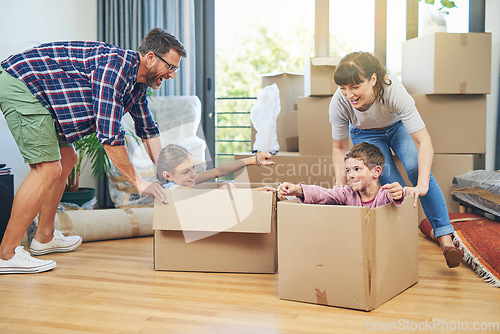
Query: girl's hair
[[358, 66], [169, 158], [368, 153]]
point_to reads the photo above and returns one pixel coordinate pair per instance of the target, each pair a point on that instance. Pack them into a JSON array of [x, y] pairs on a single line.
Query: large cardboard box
[[315, 129], [287, 131], [444, 168], [290, 85], [447, 63], [290, 167], [346, 256], [216, 230], [318, 77], [456, 123]]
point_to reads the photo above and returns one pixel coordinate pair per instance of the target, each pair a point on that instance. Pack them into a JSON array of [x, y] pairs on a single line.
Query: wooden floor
[[111, 287]]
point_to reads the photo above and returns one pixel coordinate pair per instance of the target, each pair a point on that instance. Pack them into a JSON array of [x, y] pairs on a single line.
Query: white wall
[[26, 23], [493, 26]]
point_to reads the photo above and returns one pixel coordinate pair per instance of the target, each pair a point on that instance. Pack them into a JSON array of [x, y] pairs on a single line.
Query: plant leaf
[[88, 147], [448, 4]]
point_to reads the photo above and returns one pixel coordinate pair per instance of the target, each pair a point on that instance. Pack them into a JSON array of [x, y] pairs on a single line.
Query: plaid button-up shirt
[[87, 87]]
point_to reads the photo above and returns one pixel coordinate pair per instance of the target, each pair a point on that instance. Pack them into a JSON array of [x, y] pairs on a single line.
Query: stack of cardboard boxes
[[448, 75], [304, 133], [290, 86]]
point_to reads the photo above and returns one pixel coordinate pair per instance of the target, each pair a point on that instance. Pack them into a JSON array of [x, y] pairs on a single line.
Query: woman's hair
[[368, 153], [356, 67], [160, 41], [169, 158]]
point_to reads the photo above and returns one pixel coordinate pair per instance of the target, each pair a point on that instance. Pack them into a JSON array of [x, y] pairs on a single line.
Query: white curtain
[[125, 22]]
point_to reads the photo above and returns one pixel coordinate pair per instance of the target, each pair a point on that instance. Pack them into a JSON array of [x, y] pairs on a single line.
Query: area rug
[[479, 239]]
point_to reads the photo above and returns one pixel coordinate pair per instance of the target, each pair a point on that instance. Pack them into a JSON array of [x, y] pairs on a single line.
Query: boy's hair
[[359, 66], [368, 153], [169, 158], [160, 41]]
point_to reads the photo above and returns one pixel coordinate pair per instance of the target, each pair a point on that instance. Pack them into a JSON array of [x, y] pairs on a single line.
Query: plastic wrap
[[179, 122], [263, 116], [480, 189]]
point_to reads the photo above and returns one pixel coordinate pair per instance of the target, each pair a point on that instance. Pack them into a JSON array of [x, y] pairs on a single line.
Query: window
[[277, 36], [430, 19], [351, 26], [261, 37]]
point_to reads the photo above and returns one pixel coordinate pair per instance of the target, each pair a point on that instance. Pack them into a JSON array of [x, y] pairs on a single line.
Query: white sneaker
[[23, 263], [58, 244]]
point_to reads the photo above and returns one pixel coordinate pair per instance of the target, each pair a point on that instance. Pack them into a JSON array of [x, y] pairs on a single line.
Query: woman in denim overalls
[[371, 106]]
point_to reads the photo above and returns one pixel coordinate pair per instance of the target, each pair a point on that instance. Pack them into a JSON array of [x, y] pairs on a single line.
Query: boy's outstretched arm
[[394, 189], [289, 189]]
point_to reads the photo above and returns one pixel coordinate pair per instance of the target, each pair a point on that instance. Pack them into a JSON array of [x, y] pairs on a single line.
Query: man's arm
[[119, 157], [153, 147]]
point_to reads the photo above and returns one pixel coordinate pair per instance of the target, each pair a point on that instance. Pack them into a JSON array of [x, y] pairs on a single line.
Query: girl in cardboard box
[[372, 106], [176, 168]]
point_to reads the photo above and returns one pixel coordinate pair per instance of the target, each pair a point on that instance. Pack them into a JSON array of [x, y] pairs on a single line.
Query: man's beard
[[151, 80]]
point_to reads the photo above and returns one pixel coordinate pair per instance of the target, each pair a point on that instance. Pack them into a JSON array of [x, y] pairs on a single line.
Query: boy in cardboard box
[[364, 164]]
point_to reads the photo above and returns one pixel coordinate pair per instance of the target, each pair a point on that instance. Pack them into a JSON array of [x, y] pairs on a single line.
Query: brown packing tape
[[126, 189], [463, 87], [65, 221], [136, 228], [125, 199], [321, 298], [463, 40], [369, 248]]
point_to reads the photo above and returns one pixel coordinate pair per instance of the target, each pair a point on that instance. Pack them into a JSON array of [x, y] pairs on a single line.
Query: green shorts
[[32, 125]]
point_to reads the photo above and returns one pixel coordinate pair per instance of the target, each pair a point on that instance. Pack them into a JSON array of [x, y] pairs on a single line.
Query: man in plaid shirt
[[56, 93]]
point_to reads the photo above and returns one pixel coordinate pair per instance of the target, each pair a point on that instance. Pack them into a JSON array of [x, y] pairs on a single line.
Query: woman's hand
[[416, 192], [394, 189]]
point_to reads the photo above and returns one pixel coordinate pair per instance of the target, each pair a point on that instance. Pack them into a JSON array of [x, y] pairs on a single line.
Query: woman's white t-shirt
[[398, 105]]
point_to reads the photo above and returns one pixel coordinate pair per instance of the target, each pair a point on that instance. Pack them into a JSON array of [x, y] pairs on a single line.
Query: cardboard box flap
[[215, 210], [387, 250], [238, 185], [325, 61]]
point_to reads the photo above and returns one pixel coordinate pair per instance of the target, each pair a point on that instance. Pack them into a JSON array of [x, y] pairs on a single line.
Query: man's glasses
[[171, 68]]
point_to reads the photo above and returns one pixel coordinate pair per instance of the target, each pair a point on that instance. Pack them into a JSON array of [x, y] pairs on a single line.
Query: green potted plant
[[446, 5], [89, 150], [434, 16]]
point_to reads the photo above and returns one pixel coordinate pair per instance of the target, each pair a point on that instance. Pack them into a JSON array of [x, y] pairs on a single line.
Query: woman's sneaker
[[23, 263], [58, 244]]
